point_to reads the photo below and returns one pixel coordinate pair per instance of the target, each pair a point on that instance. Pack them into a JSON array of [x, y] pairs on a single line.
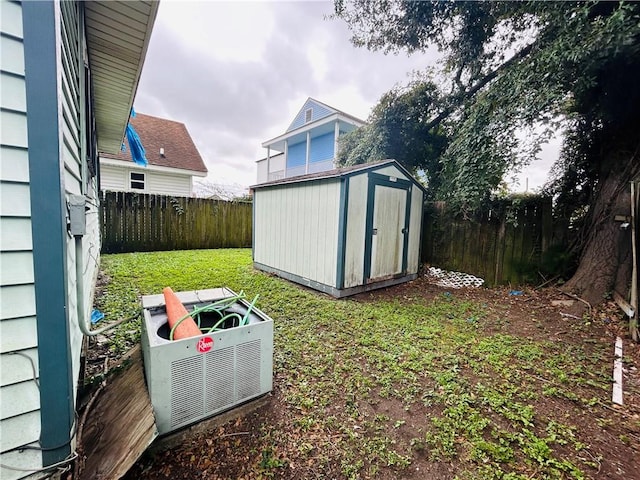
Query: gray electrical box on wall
[[77, 215]]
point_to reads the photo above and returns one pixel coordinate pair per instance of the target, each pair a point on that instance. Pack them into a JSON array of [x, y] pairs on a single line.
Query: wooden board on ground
[[120, 425]]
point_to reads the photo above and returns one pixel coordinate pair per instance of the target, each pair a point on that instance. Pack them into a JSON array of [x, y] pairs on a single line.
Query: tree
[[396, 129], [533, 66]]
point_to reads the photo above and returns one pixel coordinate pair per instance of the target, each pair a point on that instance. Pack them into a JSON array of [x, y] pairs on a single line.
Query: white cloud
[[205, 26]]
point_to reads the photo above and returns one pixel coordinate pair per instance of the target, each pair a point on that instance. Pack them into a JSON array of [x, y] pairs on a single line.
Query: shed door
[[386, 244], [387, 239]]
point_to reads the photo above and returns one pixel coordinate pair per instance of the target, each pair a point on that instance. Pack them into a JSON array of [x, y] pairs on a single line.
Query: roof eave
[[309, 126], [116, 75], [106, 159]]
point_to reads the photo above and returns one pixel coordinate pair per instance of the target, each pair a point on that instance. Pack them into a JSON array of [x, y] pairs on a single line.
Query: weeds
[[336, 361]]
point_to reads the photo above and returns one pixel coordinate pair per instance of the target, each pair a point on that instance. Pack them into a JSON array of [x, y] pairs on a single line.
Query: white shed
[[342, 231]]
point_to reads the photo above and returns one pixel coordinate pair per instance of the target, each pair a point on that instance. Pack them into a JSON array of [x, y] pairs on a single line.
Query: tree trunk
[[605, 262]]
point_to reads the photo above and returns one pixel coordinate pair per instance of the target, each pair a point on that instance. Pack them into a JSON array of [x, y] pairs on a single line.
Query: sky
[[236, 74]]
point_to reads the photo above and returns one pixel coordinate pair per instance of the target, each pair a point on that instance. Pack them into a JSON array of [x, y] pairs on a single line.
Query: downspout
[[77, 215]]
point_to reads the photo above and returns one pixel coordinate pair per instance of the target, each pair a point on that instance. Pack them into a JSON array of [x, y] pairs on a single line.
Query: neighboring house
[[309, 145], [173, 160], [69, 73]]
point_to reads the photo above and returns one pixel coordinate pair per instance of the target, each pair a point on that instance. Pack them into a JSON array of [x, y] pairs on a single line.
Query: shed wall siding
[[356, 228], [415, 224], [392, 171], [296, 228], [20, 406]]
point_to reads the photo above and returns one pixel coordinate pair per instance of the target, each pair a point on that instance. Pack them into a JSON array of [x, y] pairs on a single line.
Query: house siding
[[272, 170], [20, 407], [296, 229], [262, 170], [76, 181], [322, 148], [169, 184], [113, 178], [116, 179], [297, 155], [318, 112], [21, 417]]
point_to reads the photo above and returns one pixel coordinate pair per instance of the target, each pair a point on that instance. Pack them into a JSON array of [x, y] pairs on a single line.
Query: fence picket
[[133, 222], [499, 249]]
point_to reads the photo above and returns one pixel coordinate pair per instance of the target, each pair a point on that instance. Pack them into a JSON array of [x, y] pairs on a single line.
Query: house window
[[307, 115], [136, 181]]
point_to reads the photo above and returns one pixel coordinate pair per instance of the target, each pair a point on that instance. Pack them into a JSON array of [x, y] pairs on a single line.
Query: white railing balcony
[[295, 171], [278, 175], [316, 167]]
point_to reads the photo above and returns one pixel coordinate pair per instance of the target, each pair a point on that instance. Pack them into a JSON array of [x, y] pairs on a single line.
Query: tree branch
[[462, 96]]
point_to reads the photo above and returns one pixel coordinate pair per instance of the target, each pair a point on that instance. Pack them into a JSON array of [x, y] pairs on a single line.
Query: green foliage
[[508, 67], [397, 130]]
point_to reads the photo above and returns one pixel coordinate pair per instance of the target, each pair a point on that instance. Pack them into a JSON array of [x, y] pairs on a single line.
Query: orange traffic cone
[[176, 311]]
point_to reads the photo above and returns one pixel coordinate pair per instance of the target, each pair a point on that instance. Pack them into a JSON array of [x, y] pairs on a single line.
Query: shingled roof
[[156, 133]]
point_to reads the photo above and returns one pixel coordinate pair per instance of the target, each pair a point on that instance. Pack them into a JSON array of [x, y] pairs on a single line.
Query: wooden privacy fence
[[505, 243], [134, 222]]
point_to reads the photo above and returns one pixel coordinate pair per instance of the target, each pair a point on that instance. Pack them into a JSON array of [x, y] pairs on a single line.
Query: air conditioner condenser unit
[[198, 377]]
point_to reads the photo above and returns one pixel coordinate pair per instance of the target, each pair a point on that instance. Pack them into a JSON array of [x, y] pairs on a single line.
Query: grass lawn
[[409, 382]]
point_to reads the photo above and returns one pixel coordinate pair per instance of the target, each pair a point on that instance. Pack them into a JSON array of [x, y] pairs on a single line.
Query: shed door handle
[[374, 231]]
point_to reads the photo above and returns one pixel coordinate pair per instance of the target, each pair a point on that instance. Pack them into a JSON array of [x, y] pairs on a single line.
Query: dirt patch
[[271, 443]]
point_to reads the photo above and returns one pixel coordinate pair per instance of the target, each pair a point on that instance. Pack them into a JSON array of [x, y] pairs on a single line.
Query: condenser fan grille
[[210, 382], [248, 369], [187, 400], [220, 379]]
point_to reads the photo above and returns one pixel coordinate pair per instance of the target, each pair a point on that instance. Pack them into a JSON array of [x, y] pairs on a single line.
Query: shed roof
[[156, 133], [118, 34], [338, 173]]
